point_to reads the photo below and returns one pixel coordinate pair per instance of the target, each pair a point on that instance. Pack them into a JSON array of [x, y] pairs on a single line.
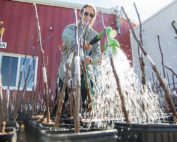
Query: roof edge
[[157, 13], [66, 5]]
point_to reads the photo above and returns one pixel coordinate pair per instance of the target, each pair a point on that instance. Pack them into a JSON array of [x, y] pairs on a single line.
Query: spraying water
[[141, 102]]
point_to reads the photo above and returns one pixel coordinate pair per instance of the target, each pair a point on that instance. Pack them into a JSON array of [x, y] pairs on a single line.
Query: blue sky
[[146, 8]]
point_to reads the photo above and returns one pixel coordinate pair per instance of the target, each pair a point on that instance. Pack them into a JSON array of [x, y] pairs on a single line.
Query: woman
[[89, 54]]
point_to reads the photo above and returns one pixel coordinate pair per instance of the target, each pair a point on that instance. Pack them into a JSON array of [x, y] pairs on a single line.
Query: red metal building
[[21, 36]]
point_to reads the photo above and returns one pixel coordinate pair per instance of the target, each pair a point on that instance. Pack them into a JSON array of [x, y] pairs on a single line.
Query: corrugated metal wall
[[20, 32]]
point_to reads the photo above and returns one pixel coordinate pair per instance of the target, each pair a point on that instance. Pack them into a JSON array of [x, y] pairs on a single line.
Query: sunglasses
[[89, 14]]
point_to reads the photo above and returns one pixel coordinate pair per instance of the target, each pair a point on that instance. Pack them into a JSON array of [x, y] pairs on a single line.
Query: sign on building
[[3, 45]]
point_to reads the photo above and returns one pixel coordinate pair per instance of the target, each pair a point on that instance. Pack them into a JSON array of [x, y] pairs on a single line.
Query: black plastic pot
[[35, 132], [146, 132], [33, 129], [9, 136], [12, 124], [37, 128], [28, 130], [83, 136]]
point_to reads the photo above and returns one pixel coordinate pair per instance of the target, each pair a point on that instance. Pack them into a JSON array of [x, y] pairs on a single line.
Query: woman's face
[[88, 16]]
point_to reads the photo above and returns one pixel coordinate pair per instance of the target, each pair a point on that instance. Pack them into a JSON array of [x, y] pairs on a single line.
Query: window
[[13, 67]]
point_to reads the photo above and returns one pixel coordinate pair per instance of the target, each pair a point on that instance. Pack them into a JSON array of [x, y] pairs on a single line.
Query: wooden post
[[44, 71], [2, 118], [141, 60], [77, 80], [117, 79]]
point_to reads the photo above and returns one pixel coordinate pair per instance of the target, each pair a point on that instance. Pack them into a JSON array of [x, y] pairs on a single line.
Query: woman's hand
[[87, 46], [88, 60]]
